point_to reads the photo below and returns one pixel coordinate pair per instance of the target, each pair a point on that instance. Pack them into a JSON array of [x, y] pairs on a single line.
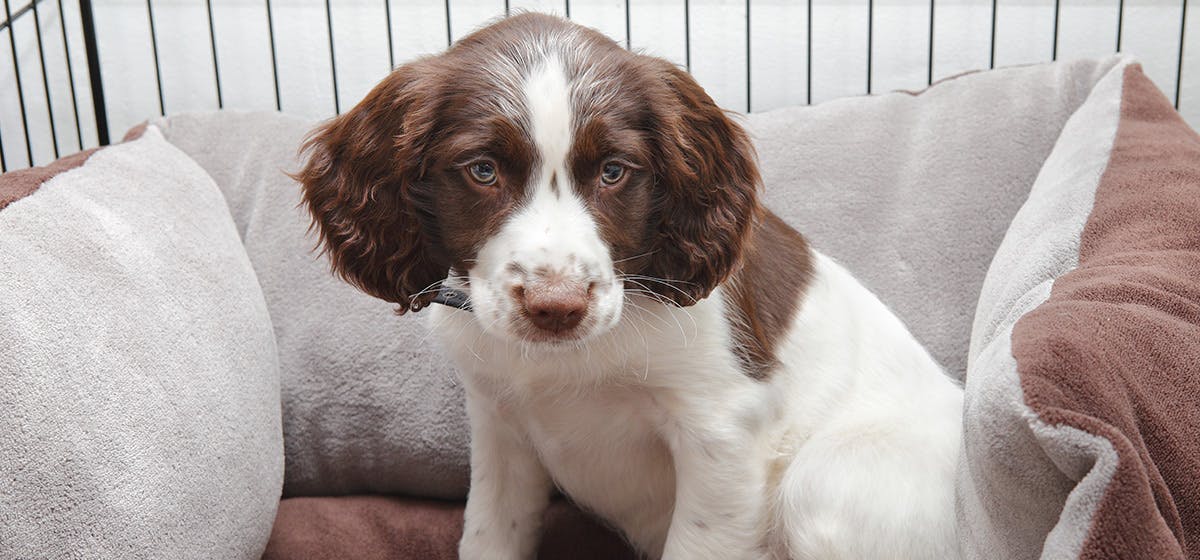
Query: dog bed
[[1038, 228]]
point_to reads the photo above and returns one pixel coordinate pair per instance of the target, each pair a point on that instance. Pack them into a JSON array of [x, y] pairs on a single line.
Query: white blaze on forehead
[[553, 228], [548, 97]]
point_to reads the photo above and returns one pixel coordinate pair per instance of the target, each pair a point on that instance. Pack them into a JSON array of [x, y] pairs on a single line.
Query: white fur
[[846, 450], [552, 231]]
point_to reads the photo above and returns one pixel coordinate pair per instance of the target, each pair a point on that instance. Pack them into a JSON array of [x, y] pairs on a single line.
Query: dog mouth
[[525, 331]]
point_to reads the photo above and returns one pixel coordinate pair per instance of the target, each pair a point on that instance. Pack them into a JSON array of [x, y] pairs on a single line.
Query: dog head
[[548, 171]]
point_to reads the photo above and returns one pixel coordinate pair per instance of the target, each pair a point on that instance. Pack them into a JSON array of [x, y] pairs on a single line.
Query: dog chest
[[603, 450]]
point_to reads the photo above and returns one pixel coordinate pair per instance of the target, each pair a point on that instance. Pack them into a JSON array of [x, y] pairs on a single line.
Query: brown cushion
[[392, 528], [1083, 396], [1115, 351]]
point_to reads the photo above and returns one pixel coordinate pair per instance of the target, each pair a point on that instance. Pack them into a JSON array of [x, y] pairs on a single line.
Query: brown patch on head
[[763, 296], [681, 215], [387, 183], [706, 194]]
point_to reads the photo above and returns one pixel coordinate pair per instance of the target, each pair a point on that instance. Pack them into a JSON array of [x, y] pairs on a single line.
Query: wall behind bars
[[219, 53]]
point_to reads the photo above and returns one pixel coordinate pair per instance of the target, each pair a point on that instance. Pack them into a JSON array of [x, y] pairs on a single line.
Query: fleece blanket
[[1083, 389]]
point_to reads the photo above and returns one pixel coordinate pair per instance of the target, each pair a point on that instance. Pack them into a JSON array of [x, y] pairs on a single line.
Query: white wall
[[778, 73]]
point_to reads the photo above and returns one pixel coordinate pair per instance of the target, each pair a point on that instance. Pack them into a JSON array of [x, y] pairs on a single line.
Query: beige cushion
[[139, 389]]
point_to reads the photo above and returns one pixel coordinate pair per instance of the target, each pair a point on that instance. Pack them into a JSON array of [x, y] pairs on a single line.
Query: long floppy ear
[[707, 192], [361, 183]]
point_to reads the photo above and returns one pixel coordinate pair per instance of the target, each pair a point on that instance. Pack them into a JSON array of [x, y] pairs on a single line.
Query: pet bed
[[174, 358]]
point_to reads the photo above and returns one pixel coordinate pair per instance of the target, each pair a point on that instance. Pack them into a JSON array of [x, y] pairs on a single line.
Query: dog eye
[[612, 173], [483, 172]]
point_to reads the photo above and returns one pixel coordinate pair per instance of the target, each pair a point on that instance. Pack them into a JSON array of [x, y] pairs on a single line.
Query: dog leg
[[720, 486], [509, 489]]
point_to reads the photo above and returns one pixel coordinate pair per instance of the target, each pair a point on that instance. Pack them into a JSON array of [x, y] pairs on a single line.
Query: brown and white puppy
[[644, 334]]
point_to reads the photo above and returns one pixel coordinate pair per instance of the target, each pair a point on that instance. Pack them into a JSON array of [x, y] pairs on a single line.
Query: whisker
[[430, 331], [670, 306], [657, 279], [436, 285], [483, 331], [646, 254]]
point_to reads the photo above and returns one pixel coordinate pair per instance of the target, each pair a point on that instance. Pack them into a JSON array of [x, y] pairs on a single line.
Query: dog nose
[[555, 306]]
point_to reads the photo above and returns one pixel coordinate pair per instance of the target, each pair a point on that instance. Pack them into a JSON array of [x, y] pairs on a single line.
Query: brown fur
[[385, 187], [764, 295]]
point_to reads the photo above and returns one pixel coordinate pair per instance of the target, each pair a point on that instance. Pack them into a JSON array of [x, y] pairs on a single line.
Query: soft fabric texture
[[1083, 404], [369, 403], [913, 192], [139, 389], [389, 528]]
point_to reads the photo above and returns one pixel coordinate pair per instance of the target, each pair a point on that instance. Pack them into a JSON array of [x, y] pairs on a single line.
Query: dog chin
[[545, 340]]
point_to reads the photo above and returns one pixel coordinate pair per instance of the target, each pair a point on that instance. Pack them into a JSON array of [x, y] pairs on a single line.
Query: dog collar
[[453, 297]]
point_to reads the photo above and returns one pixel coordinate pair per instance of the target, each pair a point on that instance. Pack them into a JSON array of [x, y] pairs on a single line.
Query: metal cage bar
[[1179, 58], [97, 82], [337, 103], [37, 28], [870, 41], [212, 43], [929, 69], [162, 105], [62, 25], [54, 89], [12, 43], [274, 56]]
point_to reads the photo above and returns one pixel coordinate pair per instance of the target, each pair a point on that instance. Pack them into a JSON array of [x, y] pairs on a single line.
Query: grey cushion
[[139, 390], [914, 192], [369, 404]]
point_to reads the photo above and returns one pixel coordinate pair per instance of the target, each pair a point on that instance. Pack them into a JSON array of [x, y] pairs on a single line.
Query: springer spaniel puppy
[[632, 327]]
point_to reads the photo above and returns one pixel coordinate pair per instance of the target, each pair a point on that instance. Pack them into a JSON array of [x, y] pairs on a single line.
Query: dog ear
[[707, 191], [361, 183]]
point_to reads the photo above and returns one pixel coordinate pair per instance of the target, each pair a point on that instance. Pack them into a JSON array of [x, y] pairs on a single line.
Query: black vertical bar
[[387, 13], [929, 71], [747, 56], [506, 9], [12, 43], [162, 107], [1179, 61], [1054, 47], [37, 28], [808, 54], [687, 35], [3, 160], [212, 42], [1120, 22], [62, 24], [274, 61], [992, 55], [93, 58], [870, 39], [628, 39], [337, 104], [568, 5], [449, 34]]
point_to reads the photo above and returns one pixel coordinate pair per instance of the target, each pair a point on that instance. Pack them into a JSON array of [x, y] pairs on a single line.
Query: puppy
[[634, 328]]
